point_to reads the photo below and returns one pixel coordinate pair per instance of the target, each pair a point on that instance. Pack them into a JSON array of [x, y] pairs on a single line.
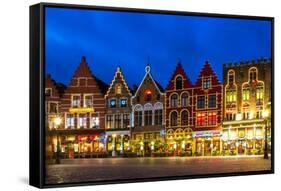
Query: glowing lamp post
[[57, 122], [265, 115]]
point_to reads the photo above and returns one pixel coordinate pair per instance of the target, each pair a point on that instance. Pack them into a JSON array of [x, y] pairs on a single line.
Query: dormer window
[[179, 83], [206, 82]]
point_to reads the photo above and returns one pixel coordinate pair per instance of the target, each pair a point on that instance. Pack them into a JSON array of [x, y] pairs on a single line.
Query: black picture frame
[[37, 105]]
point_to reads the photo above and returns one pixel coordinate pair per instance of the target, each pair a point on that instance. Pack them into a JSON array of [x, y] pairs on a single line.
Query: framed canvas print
[[125, 95]]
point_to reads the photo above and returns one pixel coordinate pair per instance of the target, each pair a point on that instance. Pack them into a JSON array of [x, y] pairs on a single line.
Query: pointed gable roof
[[207, 70], [148, 75], [83, 70], [118, 74], [179, 71]]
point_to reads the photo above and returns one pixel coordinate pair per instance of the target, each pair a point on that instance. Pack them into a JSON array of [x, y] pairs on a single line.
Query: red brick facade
[[207, 85]]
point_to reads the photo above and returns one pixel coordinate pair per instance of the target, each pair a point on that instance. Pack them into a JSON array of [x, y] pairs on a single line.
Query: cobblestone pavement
[[77, 170]]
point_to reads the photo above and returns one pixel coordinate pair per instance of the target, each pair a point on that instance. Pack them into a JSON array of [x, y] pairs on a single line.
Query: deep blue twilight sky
[[109, 39]]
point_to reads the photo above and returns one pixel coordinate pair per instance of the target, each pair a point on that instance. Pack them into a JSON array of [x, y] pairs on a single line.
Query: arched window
[[184, 100], [245, 92], [174, 118], [158, 112], [174, 100], [148, 114], [138, 116], [188, 133], [170, 133], [179, 133], [253, 74], [231, 95], [179, 83], [184, 118]]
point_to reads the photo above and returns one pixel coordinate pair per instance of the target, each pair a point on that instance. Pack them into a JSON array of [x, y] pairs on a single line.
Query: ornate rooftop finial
[[118, 68], [147, 69]]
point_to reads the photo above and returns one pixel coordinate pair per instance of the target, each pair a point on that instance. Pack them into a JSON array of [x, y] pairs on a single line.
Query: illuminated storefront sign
[[206, 134], [81, 110]]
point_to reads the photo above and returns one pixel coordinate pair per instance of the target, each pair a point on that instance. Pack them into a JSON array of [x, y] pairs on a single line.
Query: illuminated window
[[95, 122], [200, 119], [212, 101], [117, 124], [76, 101], [88, 101], [230, 96], [246, 94], [206, 82], [201, 102], [259, 93], [174, 118], [83, 121], [179, 83], [112, 103], [174, 100], [184, 100], [212, 118], [48, 92], [158, 116], [118, 89], [148, 95], [126, 120], [123, 103], [70, 121], [138, 118], [253, 74], [184, 118], [109, 121]]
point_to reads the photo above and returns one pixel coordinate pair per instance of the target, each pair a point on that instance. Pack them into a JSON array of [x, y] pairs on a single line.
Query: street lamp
[[265, 115], [57, 122]]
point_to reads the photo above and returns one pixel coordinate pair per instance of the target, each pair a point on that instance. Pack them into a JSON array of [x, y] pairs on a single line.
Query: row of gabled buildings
[[206, 118]]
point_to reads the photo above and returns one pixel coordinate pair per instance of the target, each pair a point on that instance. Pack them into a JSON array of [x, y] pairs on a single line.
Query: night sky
[[131, 40]]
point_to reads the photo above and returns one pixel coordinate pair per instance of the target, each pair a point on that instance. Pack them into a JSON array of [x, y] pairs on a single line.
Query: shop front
[[117, 143], [79, 146], [207, 143], [243, 140]]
